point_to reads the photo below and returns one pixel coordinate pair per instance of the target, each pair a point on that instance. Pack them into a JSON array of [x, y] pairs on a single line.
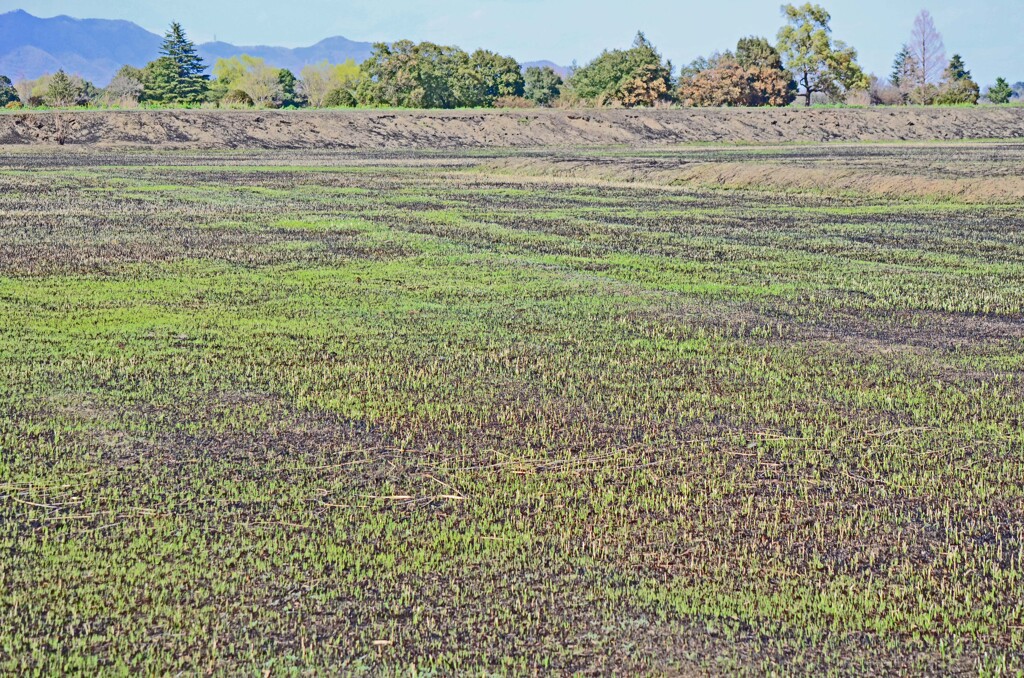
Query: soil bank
[[373, 129]]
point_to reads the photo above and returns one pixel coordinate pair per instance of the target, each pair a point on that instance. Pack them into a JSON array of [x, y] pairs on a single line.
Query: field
[[513, 412]]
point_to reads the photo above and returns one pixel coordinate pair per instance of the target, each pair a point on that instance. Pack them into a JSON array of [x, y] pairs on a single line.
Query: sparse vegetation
[[496, 393]]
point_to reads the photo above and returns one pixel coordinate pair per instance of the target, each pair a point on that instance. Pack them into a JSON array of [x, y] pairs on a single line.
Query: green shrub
[[340, 98], [236, 97]]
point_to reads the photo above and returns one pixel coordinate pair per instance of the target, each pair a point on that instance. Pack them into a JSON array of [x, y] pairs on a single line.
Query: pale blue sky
[[988, 33]]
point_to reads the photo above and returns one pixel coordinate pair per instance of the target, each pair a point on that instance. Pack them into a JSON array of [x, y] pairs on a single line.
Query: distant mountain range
[[92, 48], [96, 48]]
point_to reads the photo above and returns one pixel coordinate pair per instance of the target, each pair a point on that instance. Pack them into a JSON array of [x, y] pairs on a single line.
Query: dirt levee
[[497, 129]]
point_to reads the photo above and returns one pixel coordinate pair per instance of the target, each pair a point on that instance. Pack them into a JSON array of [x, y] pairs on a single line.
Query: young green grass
[[365, 413]]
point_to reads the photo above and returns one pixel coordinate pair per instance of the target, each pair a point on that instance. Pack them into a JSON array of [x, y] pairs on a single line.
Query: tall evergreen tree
[[160, 82], [191, 82], [899, 67], [287, 80], [905, 74]]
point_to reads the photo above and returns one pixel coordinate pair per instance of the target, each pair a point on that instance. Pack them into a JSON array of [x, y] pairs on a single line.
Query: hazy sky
[[988, 33]]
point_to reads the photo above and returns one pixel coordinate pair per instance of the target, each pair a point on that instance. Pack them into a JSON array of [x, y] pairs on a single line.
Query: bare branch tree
[[24, 89], [927, 50]]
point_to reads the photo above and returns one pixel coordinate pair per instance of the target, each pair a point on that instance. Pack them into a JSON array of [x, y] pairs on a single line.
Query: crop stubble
[[456, 411]]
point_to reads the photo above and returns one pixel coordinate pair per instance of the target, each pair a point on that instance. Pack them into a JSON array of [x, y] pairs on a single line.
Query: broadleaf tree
[[726, 83], [634, 77], [487, 76], [251, 75], [819, 63], [8, 93], [125, 88], [319, 81], [541, 85], [405, 74], [753, 76], [757, 52]]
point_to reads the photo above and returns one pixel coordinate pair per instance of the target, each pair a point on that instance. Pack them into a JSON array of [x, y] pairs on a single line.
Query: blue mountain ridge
[[96, 48]]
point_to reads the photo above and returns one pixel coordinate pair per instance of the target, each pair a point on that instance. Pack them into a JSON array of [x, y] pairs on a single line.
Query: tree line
[[804, 62]]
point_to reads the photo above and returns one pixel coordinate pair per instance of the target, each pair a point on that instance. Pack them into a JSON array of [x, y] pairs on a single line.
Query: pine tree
[[957, 86], [61, 91], [1001, 92], [191, 82], [899, 66], [905, 73], [957, 69], [160, 81]]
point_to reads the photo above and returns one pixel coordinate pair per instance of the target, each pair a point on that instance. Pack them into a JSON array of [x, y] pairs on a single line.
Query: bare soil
[[501, 129]]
